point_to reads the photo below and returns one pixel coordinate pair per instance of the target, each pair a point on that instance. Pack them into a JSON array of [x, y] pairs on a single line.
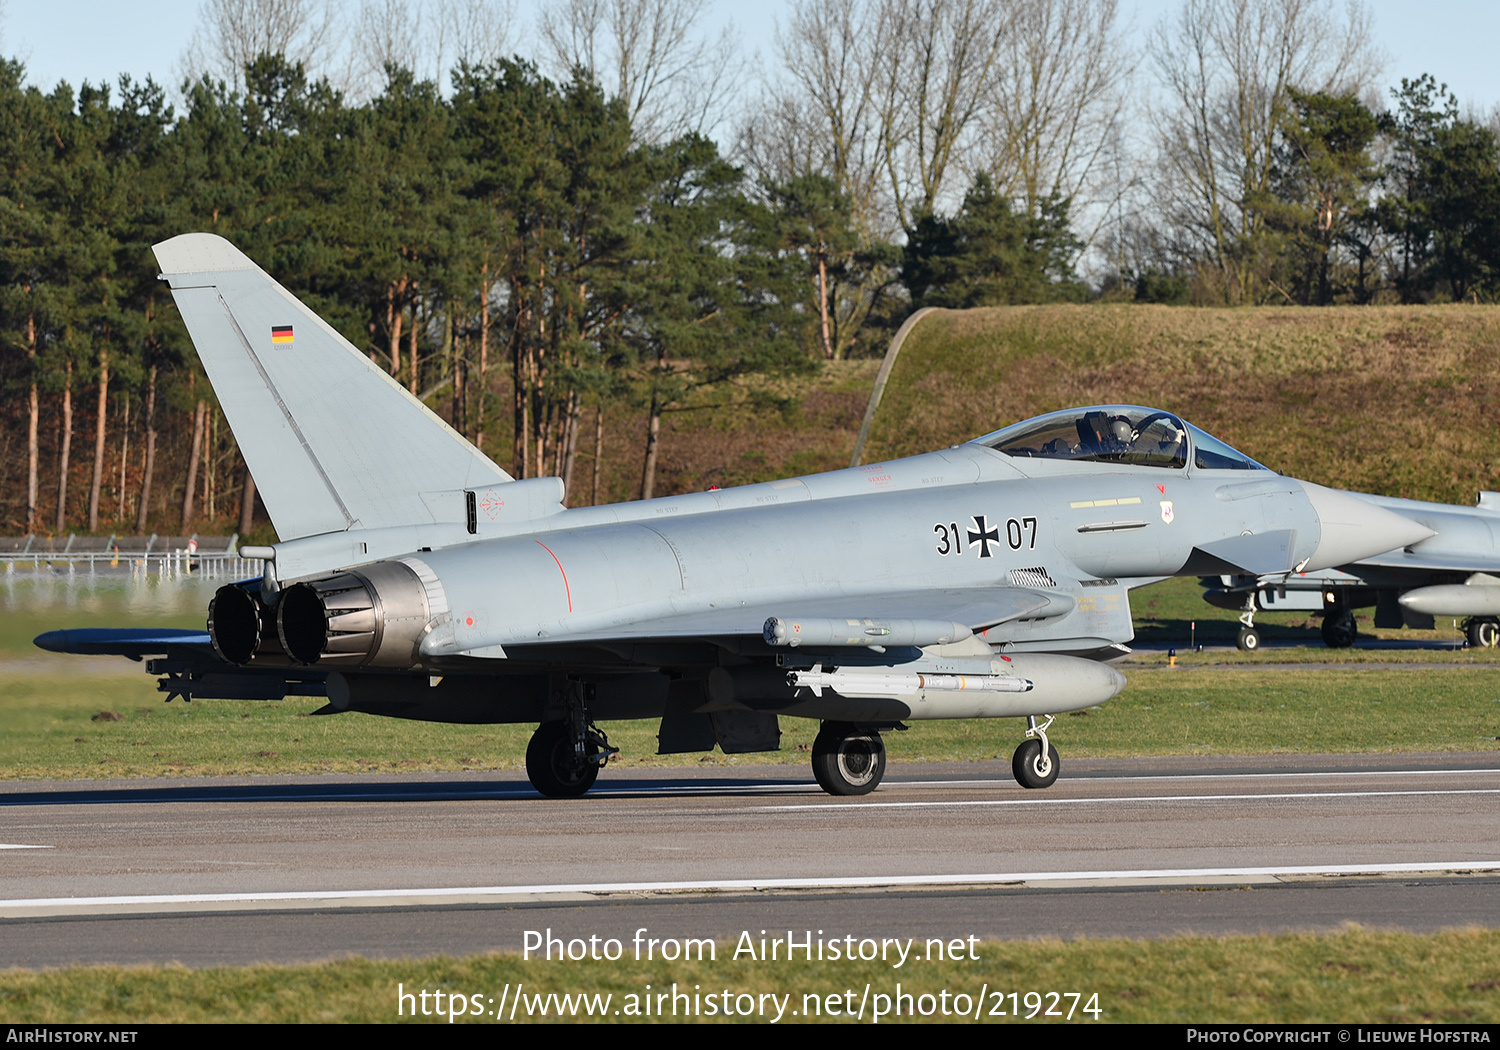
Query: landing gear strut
[[564, 757], [848, 759], [1249, 638], [1035, 762]]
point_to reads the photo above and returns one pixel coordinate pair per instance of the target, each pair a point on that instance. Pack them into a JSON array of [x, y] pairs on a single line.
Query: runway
[[236, 871]]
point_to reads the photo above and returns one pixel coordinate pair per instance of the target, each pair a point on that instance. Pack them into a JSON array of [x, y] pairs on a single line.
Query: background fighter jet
[[415, 578], [1455, 572]]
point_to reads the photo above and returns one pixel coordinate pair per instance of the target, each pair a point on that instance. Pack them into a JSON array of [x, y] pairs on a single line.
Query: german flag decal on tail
[[281, 333]]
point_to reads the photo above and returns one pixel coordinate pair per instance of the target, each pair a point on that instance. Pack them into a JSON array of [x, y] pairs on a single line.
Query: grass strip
[[1354, 975], [104, 726]]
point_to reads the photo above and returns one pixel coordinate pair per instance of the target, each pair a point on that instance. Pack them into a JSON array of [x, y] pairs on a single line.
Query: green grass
[[1351, 976], [90, 726]]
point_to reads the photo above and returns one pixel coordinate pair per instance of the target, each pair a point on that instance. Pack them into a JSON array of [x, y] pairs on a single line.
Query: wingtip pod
[[199, 253], [120, 641], [52, 641]]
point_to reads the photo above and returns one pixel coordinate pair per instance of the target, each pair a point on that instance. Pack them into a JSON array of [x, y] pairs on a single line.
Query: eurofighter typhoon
[[1451, 573], [416, 579]]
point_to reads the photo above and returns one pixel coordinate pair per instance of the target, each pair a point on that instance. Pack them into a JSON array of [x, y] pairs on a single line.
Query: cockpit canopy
[[1128, 434]]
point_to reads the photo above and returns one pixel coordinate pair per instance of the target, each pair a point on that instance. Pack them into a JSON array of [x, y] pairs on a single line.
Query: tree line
[[513, 240], [530, 245]]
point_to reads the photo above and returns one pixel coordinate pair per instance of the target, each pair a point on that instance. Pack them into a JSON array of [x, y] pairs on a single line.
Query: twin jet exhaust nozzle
[[374, 616]]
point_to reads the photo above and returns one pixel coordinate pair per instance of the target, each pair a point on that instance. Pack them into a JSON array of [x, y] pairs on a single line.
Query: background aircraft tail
[[334, 443]]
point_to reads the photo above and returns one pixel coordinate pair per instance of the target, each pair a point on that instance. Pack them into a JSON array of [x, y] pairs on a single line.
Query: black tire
[[1026, 764], [847, 760], [550, 763], [1339, 630], [1483, 633], [1248, 640]]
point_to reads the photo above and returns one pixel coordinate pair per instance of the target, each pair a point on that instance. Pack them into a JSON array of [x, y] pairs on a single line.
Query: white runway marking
[[622, 788], [16, 845], [894, 781], [417, 895], [1063, 800]]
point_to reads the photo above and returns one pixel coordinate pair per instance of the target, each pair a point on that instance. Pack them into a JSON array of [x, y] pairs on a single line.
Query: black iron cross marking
[[984, 537]]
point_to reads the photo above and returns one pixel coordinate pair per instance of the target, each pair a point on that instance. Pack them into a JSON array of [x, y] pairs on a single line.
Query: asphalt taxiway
[[268, 869]]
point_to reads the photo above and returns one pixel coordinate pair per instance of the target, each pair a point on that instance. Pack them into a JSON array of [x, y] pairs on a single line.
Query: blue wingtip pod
[[53, 641], [119, 641]]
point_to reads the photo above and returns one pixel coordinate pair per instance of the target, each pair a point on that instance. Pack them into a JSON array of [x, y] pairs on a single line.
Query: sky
[[76, 40]]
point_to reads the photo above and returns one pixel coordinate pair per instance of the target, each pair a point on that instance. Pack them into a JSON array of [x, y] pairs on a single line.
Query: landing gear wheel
[[1339, 631], [1033, 767], [848, 760], [1483, 633], [552, 764], [1248, 640]]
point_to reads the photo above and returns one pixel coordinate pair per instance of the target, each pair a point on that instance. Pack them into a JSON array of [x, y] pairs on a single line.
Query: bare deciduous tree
[[885, 98], [651, 54], [475, 31], [931, 94], [1226, 67], [822, 117], [388, 35], [1057, 97], [233, 33], [428, 40]]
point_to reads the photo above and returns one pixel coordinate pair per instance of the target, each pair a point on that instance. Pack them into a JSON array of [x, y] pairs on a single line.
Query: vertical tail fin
[[333, 442]]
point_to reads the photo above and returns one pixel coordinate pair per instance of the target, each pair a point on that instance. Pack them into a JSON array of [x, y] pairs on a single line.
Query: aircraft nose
[[1354, 529]]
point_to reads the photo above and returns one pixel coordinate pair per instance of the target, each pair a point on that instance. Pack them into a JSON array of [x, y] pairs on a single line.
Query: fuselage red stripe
[[566, 589]]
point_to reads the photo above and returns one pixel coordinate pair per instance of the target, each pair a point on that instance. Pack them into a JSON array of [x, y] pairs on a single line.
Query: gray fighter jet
[[417, 579], [1453, 573]]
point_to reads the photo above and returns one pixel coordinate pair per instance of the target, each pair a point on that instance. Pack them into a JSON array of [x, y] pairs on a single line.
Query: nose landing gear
[[1035, 763], [1248, 640]]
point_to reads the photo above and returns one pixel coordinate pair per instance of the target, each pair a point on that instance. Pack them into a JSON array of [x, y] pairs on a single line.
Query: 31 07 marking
[[1019, 533]]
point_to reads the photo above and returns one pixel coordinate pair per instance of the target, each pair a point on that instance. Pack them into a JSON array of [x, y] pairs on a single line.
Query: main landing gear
[[1035, 762], [564, 757], [1339, 630], [848, 759], [1483, 632]]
